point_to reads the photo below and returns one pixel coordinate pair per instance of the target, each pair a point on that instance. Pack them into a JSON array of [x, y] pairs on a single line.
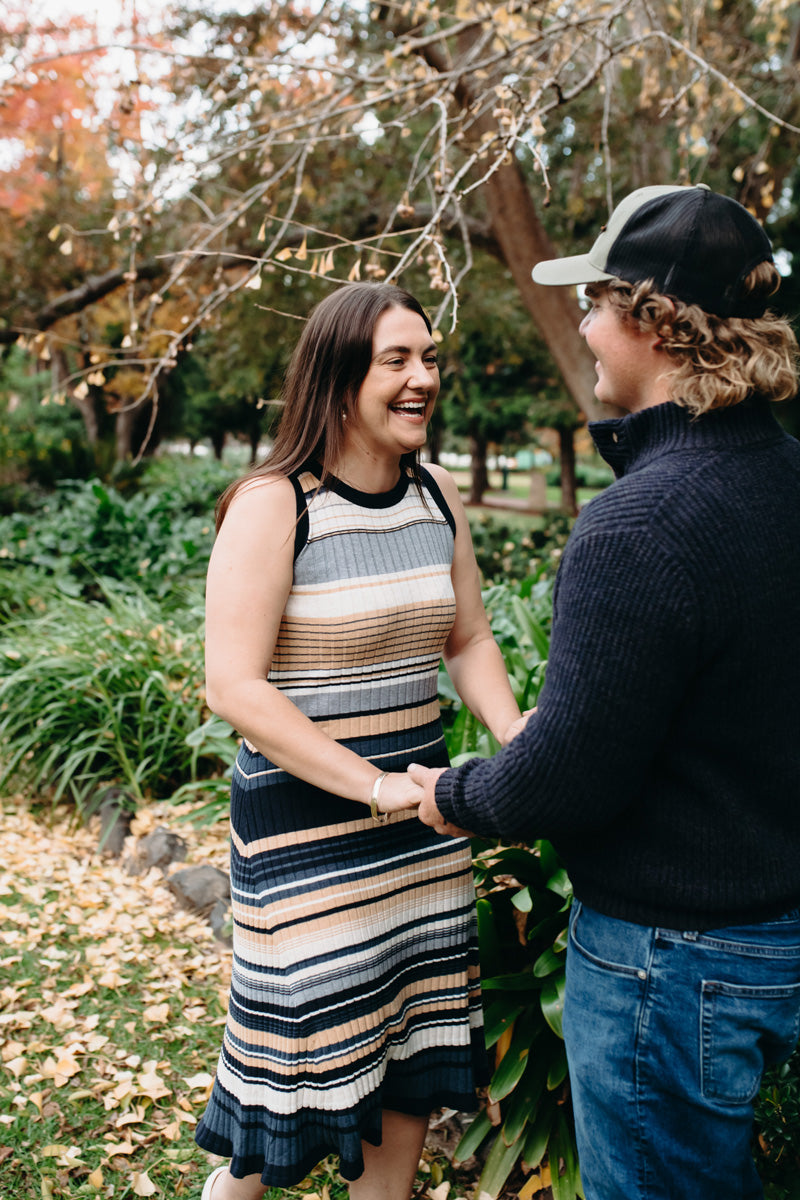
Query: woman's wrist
[[380, 817]]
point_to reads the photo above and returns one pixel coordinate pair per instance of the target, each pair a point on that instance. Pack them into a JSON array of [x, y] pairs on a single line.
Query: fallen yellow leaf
[[536, 1182], [110, 979], [80, 989], [201, 1080], [143, 1185], [60, 1072], [119, 1148], [152, 1085]]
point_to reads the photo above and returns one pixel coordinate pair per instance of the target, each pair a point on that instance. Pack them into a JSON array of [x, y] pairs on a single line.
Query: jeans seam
[[641, 1032], [772, 991], [603, 963]]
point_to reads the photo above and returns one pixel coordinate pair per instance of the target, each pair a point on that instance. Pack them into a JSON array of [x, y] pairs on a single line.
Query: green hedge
[[516, 547]]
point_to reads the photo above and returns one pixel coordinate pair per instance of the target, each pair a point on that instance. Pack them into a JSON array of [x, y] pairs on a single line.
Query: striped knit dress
[[355, 980]]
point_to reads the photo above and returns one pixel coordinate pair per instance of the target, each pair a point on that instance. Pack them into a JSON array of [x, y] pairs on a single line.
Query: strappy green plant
[[100, 692], [524, 896]]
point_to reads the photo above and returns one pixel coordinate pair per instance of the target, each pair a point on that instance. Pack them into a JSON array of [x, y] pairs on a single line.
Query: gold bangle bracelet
[[380, 817]]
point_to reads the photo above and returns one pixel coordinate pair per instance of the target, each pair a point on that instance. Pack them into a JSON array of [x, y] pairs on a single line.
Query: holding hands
[[428, 813], [395, 791], [424, 779]]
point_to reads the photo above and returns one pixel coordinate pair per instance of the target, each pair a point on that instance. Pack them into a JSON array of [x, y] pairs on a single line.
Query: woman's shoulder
[[440, 474], [261, 499], [443, 480], [444, 490]]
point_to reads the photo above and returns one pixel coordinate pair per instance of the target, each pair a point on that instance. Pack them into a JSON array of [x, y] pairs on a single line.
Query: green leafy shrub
[[192, 483], [516, 549], [85, 532], [216, 742], [101, 692], [23, 589], [39, 444], [523, 904], [520, 615], [777, 1122], [524, 896]]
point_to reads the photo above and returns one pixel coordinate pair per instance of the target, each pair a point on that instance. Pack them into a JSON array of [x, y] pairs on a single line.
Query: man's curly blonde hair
[[717, 361]]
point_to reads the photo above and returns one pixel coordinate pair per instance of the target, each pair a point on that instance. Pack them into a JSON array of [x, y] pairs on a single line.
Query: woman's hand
[[397, 792], [516, 726], [428, 812]]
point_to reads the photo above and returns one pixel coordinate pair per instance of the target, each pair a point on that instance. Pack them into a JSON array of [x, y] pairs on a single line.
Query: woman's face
[[396, 398]]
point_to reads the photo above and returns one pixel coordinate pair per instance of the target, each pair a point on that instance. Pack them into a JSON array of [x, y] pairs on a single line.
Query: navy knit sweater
[[663, 761]]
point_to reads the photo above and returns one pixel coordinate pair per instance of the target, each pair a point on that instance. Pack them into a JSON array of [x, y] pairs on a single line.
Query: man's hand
[[428, 813]]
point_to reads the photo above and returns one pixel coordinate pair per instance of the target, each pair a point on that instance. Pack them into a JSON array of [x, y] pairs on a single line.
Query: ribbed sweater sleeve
[[621, 605]]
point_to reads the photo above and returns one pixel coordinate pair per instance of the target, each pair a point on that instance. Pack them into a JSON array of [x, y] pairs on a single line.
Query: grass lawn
[[112, 1008], [518, 490]]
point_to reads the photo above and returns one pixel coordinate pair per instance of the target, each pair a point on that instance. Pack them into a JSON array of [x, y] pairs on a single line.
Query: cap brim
[[566, 271]]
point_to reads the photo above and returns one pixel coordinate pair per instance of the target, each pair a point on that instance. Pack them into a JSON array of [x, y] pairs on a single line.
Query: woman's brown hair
[[715, 362], [323, 380]]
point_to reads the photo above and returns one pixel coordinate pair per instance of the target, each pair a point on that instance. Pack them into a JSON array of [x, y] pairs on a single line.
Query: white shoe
[[208, 1187]]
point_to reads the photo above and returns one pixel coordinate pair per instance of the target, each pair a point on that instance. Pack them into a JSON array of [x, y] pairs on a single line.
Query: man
[[663, 759]]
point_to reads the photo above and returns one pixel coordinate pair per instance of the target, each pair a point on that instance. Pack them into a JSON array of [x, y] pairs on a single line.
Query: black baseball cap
[[696, 245]]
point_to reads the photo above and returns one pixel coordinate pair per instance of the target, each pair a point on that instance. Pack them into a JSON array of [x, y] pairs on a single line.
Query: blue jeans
[[667, 1036]]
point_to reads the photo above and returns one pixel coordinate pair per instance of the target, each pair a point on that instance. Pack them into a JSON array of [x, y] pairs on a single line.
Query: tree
[[238, 367], [63, 149], [508, 127], [496, 370]]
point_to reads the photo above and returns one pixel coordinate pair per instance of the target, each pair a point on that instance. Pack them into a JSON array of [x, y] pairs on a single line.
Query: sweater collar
[[631, 442]]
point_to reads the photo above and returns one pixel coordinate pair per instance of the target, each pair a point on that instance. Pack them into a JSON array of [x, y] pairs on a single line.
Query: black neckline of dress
[[365, 499]]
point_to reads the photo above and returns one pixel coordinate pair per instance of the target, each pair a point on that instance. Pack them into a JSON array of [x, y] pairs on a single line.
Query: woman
[[341, 573]]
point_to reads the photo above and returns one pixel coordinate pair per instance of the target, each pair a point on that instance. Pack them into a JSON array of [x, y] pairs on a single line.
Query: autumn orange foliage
[[63, 107]]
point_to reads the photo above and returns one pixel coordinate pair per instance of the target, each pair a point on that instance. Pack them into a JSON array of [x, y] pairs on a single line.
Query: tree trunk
[[217, 443], [555, 310], [480, 474], [566, 450], [123, 430], [59, 372], [523, 242], [88, 412]]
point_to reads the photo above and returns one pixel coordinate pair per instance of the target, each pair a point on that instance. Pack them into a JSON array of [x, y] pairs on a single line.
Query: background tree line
[[167, 214]]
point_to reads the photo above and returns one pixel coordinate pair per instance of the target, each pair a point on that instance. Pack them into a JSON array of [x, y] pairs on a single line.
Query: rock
[[219, 919], [159, 849], [200, 888], [116, 809]]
